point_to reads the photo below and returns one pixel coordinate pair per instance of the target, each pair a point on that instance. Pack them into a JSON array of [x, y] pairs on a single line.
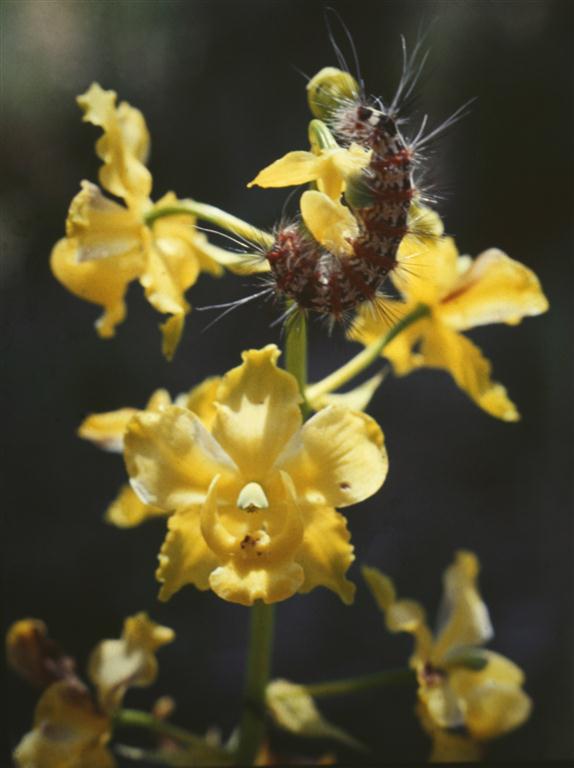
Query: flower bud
[[329, 89], [34, 656]]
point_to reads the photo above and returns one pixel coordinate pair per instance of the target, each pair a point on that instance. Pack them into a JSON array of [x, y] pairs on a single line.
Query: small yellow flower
[[461, 685], [253, 498], [71, 729], [107, 245], [107, 430], [460, 294], [328, 167]]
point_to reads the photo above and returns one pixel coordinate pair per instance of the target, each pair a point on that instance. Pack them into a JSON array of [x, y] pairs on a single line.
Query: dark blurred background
[[220, 87]]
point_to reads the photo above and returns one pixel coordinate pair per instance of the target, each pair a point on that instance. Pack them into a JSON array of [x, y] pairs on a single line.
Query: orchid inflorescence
[[251, 468]]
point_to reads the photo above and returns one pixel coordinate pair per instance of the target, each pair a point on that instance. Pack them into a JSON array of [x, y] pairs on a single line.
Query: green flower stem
[[134, 718], [214, 216], [399, 676], [369, 354], [296, 356], [252, 726]]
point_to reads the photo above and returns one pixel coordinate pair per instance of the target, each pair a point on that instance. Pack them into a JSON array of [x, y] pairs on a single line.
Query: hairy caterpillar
[[331, 284]]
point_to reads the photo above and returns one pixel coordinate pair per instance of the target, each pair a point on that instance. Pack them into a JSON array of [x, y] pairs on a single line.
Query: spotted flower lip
[[252, 498], [461, 685], [460, 293], [108, 244]]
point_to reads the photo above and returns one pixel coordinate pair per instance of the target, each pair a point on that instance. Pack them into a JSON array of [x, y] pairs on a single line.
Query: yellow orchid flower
[[107, 430], [329, 167], [108, 245], [71, 728], [460, 293], [461, 685], [253, 498]]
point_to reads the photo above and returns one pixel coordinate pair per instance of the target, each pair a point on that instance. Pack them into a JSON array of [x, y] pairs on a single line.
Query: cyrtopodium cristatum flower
[[461, 685], [460, 294], [108, 245], [252, 500], [72, 727], [107, 430]]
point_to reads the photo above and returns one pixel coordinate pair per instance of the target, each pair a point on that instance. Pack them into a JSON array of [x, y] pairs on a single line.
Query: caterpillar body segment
[[332, 284]]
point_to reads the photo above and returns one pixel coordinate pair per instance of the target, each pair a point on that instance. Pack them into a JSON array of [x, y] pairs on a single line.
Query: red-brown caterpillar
[[324, 282], [331, 284]]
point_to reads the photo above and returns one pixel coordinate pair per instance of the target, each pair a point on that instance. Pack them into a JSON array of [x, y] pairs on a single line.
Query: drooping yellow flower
[[71, 728], [461, 685], [107, 430], [460, 294], [253, 498], [108, 245]]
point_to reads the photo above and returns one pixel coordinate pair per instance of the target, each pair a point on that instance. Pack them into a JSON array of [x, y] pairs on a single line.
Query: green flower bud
[[328, 89]]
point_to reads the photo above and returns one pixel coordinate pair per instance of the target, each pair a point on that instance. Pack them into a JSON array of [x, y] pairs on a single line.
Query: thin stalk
[[215, 216], [134, 718], [252, 726], [365, 358], [296, 356], [399, 676]]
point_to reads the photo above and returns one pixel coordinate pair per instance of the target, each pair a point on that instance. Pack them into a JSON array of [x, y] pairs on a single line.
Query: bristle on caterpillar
[[331, 284]]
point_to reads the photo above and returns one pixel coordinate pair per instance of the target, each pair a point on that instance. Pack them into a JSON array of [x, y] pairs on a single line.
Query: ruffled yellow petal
[[329, 167], [494, 289], [331, 223], [492, 698], [171, 331], [184, 558], [400, 615], [290, 170], [124, 147], [116, 665], [102, 281], [337, 459], [463, 616], [171, 458], [258, 411], [326, 552], [427, 268], [103, 229], [127, 510], [170, 270], [201, 400], [348, 162], [239, 584], [497, 670], [496, 708], [447, 349], [68, 731], [106, 430]]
